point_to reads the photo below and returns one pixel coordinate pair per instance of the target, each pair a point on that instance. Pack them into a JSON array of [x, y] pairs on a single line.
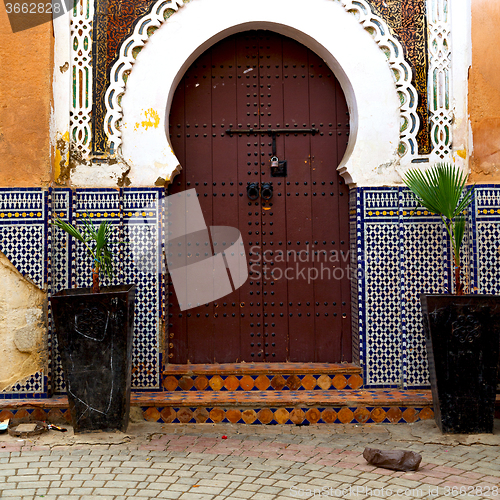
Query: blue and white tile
[[23, 240]]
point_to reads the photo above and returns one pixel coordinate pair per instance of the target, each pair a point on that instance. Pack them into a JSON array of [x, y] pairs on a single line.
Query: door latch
[[253, 191], [266, 191]]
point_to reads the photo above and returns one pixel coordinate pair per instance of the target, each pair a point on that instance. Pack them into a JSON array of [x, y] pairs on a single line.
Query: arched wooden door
[[295, 306]]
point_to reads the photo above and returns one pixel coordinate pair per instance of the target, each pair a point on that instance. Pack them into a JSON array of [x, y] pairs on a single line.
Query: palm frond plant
[[440, 190], [96, 241]]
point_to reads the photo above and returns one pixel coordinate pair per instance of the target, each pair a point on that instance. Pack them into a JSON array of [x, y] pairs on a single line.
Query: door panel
[[295, 305]]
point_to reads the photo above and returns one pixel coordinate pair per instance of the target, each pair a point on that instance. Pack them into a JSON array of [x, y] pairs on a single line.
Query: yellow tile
[[249, 416], [325, 382], [281, 416], [308, 382], [217, 415], [345, 415], [297, 416], [170, 383], [265, 416], [152, 415], [216, 383], [184, 415], [313, 415], [378, 415], [233, 415], [231, 383], [339, 382], [246, 383]]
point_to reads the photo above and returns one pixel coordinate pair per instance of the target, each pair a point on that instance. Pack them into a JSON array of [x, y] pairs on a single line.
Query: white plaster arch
[[322, 25]]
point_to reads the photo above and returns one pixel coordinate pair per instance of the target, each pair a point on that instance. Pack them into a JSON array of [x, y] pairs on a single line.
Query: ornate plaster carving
[[373, 24], [129, 50]]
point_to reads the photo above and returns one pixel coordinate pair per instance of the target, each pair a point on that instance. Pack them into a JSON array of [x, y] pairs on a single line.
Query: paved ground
[[195, 462]]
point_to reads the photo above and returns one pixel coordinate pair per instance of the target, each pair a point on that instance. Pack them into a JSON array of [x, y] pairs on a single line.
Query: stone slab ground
[[196, 462]]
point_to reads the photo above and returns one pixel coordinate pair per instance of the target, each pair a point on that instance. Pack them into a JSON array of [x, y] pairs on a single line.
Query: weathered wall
[[25, 96], [23, 334], [484, 91]]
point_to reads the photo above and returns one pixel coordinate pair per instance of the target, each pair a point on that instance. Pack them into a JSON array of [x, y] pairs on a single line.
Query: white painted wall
[[461, 51]]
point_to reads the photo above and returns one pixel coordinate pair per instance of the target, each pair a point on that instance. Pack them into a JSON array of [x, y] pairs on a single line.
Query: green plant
[[440, 190], [96, 242]]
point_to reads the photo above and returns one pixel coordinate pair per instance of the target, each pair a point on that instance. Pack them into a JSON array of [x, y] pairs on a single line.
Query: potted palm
[[461, 330], [94, 328]]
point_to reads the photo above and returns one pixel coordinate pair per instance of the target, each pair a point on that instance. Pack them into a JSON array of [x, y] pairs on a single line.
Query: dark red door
[[295, 306]]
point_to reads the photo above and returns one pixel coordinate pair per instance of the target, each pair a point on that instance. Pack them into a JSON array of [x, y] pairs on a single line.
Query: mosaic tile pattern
[[382, 357], [396, 255], [23, 239], [33, 386], [486, 257], [60, 201], [141, 212], [421, 274], [383, 317], [278, 382], [401, 251], [355, 247], [123, 208], [288, 415], [60, 205], [99, 205], [357, 407], [23, 231], [53, 415]]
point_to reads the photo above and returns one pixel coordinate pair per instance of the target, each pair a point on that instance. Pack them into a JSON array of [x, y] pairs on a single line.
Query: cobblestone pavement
[[196, 462]]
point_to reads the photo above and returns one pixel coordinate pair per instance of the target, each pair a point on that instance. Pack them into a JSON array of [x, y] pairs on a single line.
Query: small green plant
[[96, 242], [440, 190]]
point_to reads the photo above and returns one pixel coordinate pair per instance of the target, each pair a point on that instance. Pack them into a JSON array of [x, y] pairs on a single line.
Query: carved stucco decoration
[[373, 24]]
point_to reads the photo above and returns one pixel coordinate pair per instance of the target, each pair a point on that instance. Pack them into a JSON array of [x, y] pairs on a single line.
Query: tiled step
[[257, 407], [262, 377]]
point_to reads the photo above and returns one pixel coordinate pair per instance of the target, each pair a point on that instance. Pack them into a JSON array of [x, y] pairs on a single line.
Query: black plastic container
[[94, 332], [462, 339]]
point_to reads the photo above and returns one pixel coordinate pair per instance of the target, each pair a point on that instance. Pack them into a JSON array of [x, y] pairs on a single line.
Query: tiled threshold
[[252, 407]]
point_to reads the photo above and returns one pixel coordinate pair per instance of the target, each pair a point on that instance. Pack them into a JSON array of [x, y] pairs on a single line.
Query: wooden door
[[295, 306]]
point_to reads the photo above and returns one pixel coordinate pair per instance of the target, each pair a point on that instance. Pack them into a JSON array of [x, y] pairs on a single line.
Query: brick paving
[[194, 462]]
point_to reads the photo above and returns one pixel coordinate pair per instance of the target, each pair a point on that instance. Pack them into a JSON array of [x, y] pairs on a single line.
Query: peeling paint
[[61, 159], [152, 121], [64, 67], [124, 180]]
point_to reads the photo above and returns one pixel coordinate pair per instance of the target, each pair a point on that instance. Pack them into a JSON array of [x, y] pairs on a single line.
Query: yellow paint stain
[[152, 119], [57, 164], [462, 153], [61, 154]]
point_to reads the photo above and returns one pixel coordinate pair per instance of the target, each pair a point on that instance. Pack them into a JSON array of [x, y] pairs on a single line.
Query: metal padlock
[[274, 162]]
